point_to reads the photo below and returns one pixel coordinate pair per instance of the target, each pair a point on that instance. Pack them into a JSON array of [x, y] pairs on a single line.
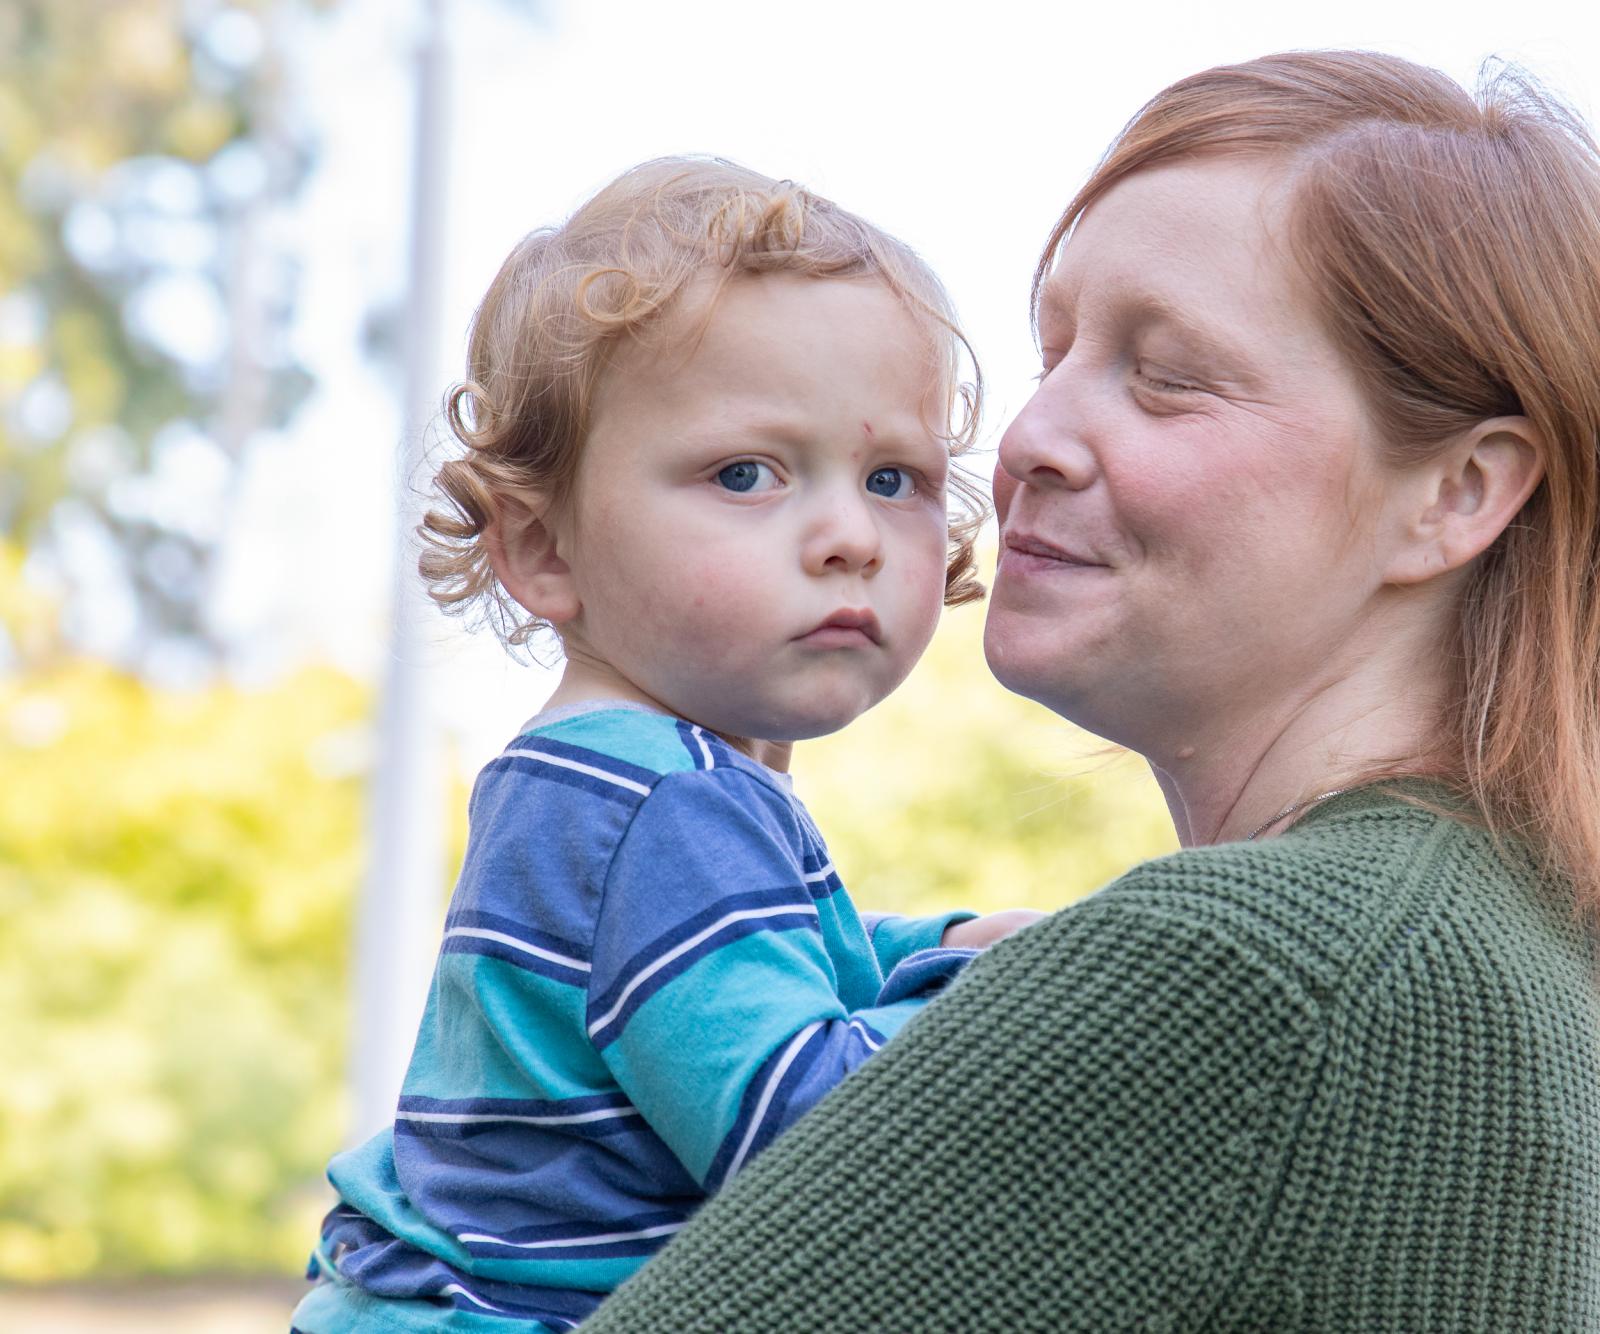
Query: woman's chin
[[1033, 671]]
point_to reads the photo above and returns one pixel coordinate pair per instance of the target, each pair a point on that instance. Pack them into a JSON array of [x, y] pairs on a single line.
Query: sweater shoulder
[[1337, 899]]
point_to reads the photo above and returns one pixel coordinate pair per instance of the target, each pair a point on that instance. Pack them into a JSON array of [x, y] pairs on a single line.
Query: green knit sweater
[[1346, 1079]]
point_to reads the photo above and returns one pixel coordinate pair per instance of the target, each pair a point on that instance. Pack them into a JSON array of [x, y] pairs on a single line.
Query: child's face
[[757, 530]]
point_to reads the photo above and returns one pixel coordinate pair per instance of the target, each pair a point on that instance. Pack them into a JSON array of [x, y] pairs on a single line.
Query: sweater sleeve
[[1084, 1133], [712, 999]]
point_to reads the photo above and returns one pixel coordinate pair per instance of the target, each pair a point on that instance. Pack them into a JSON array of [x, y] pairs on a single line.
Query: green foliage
[[176, 876], [140, 150]]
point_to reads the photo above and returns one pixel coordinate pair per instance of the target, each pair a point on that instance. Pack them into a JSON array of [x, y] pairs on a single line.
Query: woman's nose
[[845, 539], [1043, 447]]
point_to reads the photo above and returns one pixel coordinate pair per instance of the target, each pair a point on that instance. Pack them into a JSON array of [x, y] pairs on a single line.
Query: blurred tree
[[176, 877], [143, 301]]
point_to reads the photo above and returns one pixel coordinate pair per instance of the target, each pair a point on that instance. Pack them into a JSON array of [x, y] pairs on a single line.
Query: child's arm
[[895, 939], [712, 999], [979, 933]]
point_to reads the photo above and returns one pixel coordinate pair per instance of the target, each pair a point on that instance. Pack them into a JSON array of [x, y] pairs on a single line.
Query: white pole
[[397, 931]]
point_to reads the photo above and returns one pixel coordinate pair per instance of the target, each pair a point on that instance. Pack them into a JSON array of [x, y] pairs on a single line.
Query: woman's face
[[1192, 503]]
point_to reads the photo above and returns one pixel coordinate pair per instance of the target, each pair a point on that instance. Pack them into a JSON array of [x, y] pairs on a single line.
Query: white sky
[[964, 129]]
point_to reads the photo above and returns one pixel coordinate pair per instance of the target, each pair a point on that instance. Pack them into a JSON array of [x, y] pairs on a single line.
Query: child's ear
[[521, 541]]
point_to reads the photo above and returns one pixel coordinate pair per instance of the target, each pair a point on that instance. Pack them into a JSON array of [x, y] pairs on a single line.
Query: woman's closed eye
[[1165, 382], [747, 476]]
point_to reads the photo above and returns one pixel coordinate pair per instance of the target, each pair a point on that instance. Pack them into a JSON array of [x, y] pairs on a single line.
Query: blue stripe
[[534, 961], [516, 1106], [522, 930], [510, 1179], [543, 1122], [595, 759], [376, 1262], [798, 918], [698, 742], [747, 1108], [581, 1241], [541, 1136], [595, 787]]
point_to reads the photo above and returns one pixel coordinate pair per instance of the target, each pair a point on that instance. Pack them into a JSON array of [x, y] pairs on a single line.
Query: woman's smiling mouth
[[1026, 554]]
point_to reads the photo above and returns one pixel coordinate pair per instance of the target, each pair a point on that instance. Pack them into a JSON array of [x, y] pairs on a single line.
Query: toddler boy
[[707, 432]]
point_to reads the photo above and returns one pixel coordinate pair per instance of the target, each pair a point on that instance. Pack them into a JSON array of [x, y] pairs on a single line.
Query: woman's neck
[[1231, 782]]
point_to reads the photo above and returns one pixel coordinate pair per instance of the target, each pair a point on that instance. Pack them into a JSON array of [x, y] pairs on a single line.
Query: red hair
[[1453, 243]]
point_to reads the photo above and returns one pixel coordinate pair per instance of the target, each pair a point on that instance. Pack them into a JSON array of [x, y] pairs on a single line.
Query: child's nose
[[845, 539]]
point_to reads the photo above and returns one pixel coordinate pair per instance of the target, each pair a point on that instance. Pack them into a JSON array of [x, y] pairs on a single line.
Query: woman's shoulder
[[1362, 881]]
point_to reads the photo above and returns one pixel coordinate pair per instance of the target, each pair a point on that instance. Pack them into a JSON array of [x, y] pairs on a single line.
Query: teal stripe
[[693, 1100], [647, 740], [858, 979], [526, 1041], [365, 1179], [593, 1275], [339, 1307]]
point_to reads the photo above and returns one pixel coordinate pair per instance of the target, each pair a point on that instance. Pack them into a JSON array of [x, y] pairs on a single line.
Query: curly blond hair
[[567, 294]]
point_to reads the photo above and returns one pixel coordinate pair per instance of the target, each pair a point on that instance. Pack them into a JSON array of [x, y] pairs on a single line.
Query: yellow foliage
[[176, 875]]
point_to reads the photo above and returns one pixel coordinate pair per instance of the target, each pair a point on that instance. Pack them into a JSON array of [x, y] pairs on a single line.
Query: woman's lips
[[1025, 554]]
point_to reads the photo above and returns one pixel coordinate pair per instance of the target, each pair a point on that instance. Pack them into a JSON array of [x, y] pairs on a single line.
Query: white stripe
[[483, 933], [604, 1239], [865, 1036], [491, 1118], [784, 1062], [817, 876], [743, 915], [705, 750], [470, 1296], [563, 763]]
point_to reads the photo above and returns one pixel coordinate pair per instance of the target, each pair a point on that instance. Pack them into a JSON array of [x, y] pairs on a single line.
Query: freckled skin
[[697, 598], [1230, 481]]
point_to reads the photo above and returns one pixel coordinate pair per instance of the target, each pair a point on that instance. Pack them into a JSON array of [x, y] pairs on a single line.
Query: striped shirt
[[650, 968]]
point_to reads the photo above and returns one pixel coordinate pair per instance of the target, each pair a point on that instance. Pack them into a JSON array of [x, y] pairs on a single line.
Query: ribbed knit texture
[[1344, 1080]]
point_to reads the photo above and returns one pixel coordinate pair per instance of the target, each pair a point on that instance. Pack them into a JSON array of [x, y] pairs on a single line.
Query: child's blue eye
[[892, 483], [747, 475]]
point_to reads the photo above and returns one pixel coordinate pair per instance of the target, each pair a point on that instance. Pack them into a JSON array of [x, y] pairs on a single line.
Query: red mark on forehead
[[866, 429]]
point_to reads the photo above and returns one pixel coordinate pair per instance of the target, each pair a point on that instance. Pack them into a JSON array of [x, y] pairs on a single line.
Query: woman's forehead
[[1186, 243]]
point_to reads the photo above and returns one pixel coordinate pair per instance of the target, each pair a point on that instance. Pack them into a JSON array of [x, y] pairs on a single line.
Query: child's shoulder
[[634, 747]]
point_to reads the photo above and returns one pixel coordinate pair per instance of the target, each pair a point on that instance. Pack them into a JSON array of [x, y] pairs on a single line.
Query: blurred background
[[240, 243]]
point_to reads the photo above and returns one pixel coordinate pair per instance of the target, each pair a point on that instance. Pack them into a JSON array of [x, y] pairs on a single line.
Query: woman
[[1306, 510]]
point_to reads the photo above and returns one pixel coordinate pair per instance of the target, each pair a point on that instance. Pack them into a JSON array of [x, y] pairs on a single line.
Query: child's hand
[[981, 932]]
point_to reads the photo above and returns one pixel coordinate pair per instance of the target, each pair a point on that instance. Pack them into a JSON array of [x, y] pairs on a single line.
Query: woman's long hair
[[1453, 242]]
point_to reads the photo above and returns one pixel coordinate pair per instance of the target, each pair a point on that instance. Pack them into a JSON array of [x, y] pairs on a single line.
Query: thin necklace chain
[[1298, 806]]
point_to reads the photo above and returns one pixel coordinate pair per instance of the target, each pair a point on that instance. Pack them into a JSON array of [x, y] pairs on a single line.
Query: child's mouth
[[845, 629]]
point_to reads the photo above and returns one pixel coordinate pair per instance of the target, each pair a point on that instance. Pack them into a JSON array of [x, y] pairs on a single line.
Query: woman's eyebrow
[[1135, 306], [1148, 309]]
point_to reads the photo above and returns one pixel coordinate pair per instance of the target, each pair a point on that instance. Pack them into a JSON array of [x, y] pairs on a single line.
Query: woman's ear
[[524, 552], [1466, 496]]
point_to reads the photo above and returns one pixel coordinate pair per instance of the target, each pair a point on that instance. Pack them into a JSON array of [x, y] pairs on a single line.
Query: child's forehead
[[784, 359], [721, 318]]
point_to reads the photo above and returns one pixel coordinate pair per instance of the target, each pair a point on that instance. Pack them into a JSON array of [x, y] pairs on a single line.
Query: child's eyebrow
[[889, 432]]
